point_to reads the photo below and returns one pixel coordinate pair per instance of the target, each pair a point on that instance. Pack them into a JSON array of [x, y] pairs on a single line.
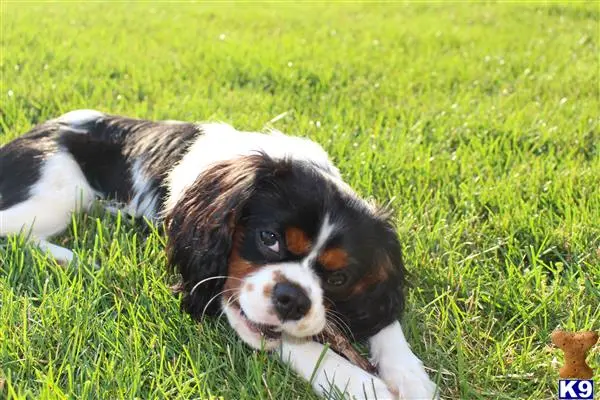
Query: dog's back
[[62, 165]]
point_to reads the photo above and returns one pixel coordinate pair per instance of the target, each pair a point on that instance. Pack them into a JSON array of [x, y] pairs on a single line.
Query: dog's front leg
[[330, 373], [398, 366]]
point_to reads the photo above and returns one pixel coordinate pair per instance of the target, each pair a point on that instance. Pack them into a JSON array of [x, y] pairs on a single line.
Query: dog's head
[[283, 246]]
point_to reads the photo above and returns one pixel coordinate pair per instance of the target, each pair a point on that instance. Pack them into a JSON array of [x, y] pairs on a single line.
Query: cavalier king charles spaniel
[[260, 226]]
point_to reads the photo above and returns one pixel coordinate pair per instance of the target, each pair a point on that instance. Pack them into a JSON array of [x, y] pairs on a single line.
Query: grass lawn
[[479, 123]]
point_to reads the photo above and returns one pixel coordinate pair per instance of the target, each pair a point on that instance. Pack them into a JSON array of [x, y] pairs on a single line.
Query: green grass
[[477, 122]]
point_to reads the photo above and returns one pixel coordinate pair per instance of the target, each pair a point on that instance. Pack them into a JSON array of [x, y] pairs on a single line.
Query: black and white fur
[[145, 168]]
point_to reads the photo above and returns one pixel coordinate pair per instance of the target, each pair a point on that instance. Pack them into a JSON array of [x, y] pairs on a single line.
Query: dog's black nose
[[290, 301]]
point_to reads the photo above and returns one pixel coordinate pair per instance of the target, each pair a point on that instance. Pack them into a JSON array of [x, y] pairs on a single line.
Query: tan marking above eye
[[333, 259], [297, 241]]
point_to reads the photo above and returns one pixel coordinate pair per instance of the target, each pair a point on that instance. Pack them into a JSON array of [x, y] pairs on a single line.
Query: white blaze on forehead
[[327, 229]]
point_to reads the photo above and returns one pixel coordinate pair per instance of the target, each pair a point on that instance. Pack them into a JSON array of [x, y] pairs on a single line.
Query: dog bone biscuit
[[575, 346]]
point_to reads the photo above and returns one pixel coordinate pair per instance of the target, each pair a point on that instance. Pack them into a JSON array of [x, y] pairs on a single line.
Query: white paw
[[359, 385], [60, 254], [411, 382], [399, 367]]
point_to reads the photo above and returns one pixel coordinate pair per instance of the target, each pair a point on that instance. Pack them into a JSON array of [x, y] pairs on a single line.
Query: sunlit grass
[[478, 123]]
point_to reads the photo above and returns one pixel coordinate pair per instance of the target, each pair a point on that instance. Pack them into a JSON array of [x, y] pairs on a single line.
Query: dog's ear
[[377, 299], [200, 230]]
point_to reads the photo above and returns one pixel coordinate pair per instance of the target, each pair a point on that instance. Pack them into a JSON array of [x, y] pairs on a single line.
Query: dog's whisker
[[344, 327], [235, 297], [231, 299], [210, 279], [337, 316], [340, 323], [213, 298]]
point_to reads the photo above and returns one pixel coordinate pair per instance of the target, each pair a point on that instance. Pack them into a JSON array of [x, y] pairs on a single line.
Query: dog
[[260, 226]]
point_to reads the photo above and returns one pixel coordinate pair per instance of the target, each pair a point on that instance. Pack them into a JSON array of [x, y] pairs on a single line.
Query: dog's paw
[[410, 382], [370, 387], [356, 384]]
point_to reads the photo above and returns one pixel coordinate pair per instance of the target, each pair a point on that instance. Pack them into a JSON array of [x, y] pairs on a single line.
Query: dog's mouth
[[269, 332]]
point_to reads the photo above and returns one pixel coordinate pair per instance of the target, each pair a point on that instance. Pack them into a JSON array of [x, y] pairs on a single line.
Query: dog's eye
[[337, 279], [270, 240]]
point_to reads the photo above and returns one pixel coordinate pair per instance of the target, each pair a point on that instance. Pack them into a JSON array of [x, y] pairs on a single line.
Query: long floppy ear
[[378, 298], [200, 229]]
